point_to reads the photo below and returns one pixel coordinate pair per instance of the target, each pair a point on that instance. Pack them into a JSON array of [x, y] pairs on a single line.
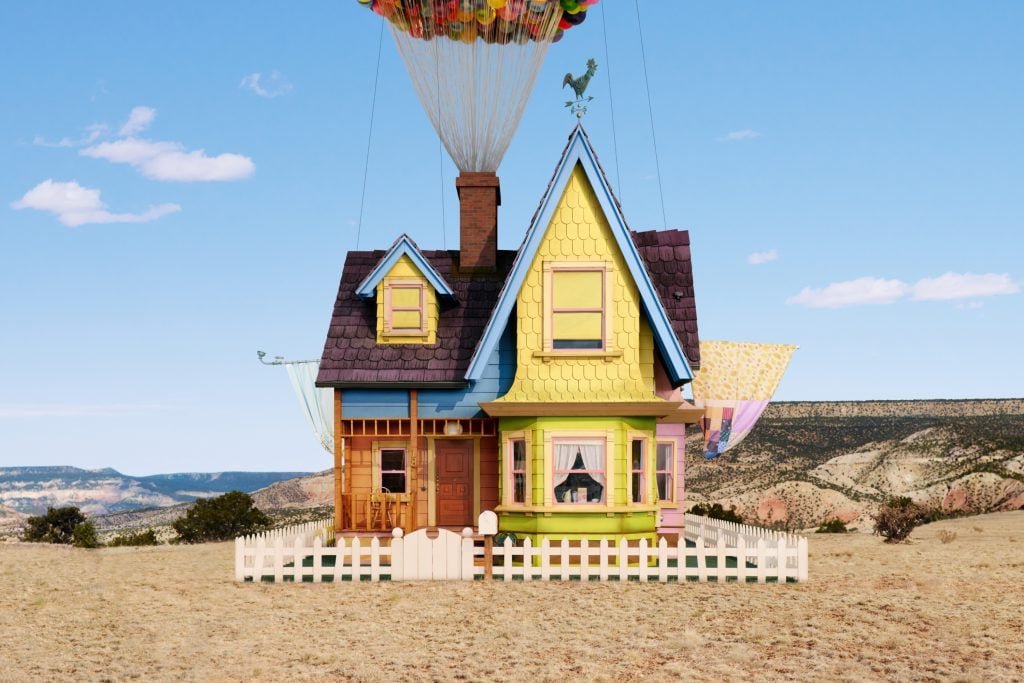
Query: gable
[[403, 248], [407, 308], [579, 154], [582, 334]]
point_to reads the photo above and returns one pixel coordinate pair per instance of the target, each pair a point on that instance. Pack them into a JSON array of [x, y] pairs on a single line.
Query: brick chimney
[[479, 199]]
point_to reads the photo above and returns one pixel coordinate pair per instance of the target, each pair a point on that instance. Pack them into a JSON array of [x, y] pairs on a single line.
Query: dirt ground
[[947, 606]]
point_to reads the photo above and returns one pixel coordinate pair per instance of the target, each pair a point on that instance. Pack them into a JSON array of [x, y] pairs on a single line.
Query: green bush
[[221, 519], [84, 536], [147, 537], [832, 526], [716, 511], [56, 526], [897, 517]]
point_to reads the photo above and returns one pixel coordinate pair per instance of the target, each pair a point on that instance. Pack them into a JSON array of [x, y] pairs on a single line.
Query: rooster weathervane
[[579, 86]]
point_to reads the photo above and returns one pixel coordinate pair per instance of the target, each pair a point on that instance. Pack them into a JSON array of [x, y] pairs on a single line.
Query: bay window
[[579, 471]]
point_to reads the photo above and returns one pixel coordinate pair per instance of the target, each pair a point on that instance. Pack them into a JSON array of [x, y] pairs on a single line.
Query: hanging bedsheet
[[733, 386]]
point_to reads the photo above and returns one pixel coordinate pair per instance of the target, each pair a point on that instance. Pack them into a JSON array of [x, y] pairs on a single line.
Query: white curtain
[[565, 454], [318, 404], [593, 458]]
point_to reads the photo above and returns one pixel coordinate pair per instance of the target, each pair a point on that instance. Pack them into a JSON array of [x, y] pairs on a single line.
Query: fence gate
[[417, 557]]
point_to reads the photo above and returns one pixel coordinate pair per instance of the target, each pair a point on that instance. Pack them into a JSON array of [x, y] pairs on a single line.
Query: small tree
[[84, 536], [147, 537], [56, 526], [221, 519], [833, 526], [716, 511], [897, 517]]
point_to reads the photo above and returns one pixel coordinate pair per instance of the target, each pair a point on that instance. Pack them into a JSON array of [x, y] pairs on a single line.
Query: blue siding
[[495, 380], [375, 403]]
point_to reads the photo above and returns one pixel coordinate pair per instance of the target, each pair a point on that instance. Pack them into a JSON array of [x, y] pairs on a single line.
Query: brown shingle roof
[[352, 356], [351, 353], [666, 255]]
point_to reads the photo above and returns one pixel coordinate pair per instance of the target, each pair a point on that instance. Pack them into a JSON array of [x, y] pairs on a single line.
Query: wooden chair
[[380, 509]]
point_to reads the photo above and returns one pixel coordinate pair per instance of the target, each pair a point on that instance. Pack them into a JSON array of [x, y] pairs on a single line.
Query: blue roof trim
[[579, 151], [403, 246]]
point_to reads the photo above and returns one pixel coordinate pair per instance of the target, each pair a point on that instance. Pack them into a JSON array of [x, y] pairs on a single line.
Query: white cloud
[[740, 135], [138, 120], [75, 205], [92, 133], [40, 141], [759, 257], [865, 290], [13, 410], [271, 85], [963, 286], [170, 161]]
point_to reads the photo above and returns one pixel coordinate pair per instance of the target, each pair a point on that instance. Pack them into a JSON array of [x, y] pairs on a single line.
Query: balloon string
[[611, 103], [440, 157], [650, 113], [369, 137]]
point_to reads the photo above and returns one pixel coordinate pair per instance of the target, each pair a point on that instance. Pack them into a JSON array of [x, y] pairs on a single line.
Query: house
[[542, 383]]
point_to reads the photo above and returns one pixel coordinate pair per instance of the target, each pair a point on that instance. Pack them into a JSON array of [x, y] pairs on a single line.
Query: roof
[[403, 246], [352, 356], [659, 261], [666, 255], [578, 151]]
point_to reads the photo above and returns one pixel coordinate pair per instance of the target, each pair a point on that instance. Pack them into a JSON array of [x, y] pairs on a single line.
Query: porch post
[[414, 452], [339, 448]]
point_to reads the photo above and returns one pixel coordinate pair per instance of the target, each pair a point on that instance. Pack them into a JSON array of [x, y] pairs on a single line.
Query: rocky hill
[[806, 462], [30, 490]]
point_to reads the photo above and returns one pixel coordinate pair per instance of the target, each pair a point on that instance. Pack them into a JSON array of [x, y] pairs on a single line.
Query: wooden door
[[454, 483]]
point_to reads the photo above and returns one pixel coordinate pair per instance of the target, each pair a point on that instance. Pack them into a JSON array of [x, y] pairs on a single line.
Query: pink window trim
[[552, 310], [390, 308]]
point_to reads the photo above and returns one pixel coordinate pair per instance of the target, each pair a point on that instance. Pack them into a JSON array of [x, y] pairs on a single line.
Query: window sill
[[600, 508], [547, 356]]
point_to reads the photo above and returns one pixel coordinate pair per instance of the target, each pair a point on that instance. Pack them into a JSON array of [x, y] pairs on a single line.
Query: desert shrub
[[833, 526], [716, 511], [947, 536], [897, 517], [56, 526], [84, 536], [221, 519], [147, 537]]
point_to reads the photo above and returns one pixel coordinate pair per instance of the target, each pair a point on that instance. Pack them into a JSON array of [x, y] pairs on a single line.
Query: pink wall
[[672, 517]]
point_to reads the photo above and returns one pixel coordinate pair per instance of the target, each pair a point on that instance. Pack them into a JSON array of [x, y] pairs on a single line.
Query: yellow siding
[[404, 272], [579, 232]]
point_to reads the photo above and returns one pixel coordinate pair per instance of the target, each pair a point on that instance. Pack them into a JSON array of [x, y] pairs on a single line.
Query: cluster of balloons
[[492, 21]]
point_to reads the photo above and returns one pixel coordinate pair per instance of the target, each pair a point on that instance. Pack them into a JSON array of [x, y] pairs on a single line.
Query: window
[[518, 471], [579, 471], [636, 469], [404, 310], [664, 459], [392, 469], [577, 308]]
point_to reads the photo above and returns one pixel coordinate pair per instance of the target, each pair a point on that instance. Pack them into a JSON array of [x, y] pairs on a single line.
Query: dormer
[[408, 292]]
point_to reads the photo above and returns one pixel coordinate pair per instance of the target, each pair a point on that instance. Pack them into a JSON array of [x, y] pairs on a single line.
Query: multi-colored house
[[542, 383]]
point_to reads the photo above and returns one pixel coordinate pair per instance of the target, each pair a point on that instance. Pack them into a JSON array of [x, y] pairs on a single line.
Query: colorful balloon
[[492, 21]]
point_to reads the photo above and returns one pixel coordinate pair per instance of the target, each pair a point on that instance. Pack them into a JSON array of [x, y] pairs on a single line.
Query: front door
[[454, 483]]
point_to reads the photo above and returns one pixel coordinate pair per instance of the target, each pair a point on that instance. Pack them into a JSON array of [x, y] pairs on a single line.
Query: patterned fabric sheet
[[735, 382]]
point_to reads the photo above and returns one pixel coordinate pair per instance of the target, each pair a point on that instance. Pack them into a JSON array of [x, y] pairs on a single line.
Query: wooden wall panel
[[488, 473]]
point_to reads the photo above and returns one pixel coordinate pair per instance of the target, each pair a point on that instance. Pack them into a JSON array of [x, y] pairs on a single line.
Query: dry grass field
[[949, 605]]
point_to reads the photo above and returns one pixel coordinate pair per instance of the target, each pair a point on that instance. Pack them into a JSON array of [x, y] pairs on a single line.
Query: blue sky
[[850, 173]]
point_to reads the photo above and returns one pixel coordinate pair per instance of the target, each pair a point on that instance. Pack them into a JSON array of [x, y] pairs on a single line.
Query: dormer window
[[405, 308], [577, 307]]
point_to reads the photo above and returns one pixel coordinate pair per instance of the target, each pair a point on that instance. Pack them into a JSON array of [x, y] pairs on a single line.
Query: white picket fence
[[709, 550]]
